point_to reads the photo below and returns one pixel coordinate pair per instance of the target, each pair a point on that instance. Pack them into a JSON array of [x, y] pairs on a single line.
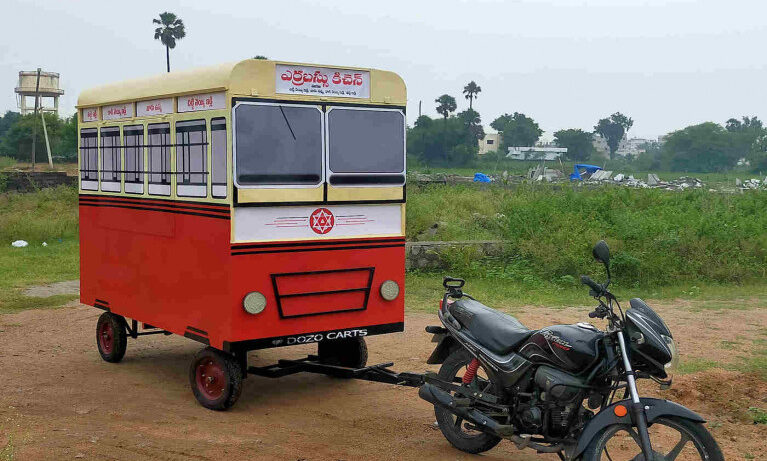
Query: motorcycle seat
[[498, 332]]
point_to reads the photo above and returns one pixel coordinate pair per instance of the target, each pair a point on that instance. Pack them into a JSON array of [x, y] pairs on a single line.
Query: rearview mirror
[[601, 252]]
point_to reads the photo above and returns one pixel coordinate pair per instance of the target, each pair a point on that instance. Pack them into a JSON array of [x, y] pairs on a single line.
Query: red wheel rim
[[106, 337], [210, 378]]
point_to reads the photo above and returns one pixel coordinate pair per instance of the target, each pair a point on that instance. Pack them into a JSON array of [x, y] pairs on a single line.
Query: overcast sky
[[566, 63]]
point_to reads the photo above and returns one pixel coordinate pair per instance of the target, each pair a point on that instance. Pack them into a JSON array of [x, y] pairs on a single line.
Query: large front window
[[278, 144], [366, 146]]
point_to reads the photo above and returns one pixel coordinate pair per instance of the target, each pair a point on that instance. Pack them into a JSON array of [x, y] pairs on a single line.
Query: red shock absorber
[[471, 371]]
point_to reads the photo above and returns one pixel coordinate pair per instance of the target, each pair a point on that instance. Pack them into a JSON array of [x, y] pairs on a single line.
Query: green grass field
[[692, 245]]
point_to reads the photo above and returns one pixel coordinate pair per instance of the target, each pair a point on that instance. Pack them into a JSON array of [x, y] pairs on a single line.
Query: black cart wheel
[[111, 337], [351, 352], [216, 379]]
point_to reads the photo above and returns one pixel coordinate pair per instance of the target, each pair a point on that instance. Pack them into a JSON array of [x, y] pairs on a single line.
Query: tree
[[17, 141], [7, 121], [471, 90], [577, 142], [446, 105], [473, 123], [518, 130], [612, 129], [749, 139], [450, 142], [706, 147], [171, 29]]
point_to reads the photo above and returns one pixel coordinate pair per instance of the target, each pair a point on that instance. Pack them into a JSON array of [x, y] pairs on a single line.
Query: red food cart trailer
[[245, 206]]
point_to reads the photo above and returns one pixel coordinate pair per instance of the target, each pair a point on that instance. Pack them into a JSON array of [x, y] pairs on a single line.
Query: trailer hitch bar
[[311, 364]]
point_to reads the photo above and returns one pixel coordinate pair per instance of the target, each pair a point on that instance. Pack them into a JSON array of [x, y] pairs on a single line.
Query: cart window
[[133, 137], [278, 145], [218, 154], [191, 158], [89, 173], [159, 158], [110, 159], [366, 146]]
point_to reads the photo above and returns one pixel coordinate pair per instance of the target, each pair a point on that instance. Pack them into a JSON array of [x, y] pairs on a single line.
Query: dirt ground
[[59, 400]]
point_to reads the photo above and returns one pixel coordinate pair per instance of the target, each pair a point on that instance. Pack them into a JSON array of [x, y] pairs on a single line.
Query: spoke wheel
[[673, 439], [111, 337], [457, 431]]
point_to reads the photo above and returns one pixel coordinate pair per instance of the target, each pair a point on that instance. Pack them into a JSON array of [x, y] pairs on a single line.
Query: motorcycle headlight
[[672, 366]]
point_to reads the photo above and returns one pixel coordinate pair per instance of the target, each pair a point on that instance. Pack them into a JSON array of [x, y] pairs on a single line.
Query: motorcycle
[[554, 389]]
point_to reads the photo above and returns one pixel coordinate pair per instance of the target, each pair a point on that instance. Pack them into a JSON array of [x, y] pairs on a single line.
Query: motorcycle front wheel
[[454, 428], [672, 439]]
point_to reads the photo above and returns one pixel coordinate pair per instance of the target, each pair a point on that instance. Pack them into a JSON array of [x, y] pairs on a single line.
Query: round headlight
[[389, 290], [254, 303]]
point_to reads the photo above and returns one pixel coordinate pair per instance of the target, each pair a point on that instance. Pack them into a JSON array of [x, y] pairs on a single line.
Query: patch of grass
[[43, 216], [7, 452], [34, 265], [695, 365], [758, 415], [6, 162], [729, 345], [658, 238]]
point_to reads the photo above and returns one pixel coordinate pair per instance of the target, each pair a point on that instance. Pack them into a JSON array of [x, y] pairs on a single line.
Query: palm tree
[[446, 105], [171, 29], [471, 90]]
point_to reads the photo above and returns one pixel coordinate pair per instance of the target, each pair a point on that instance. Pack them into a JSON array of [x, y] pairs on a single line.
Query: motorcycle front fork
[[637, 410]]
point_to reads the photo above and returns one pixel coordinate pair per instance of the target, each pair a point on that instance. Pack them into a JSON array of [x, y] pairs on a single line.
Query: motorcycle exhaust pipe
[[442, 399]]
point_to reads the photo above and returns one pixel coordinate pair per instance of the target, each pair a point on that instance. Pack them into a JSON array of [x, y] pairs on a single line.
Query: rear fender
[[654, 409], [446, 344]]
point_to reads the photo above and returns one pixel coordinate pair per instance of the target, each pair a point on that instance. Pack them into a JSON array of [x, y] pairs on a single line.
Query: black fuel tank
[[568, 347]]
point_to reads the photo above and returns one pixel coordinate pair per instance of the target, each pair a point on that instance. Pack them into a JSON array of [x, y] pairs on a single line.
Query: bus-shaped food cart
[[245, 206]]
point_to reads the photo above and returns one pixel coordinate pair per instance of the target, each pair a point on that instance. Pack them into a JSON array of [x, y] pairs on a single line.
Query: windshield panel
[[278, 145], [366, 146]]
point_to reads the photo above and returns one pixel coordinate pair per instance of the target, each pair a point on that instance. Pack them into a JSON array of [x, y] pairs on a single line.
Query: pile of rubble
[[751, 184], [652, 182]]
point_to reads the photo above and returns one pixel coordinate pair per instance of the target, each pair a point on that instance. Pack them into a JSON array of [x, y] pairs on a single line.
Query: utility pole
[[34, 120], [47, 143], [419, 108]]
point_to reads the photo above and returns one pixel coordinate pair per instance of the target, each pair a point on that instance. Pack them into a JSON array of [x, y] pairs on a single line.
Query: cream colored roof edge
[[251, 77]]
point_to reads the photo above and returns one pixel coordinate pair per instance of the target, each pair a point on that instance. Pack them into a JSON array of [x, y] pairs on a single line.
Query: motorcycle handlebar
[[586, 280]]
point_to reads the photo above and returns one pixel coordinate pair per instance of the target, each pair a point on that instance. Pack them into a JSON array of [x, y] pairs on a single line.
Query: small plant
[[758, 415]]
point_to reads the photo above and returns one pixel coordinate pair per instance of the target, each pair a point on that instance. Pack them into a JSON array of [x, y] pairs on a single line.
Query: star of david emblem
[[321, 221]]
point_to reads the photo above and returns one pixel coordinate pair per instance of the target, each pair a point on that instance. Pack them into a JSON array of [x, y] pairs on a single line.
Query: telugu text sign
[[154, 107], [117, 111], [91, 114], [198, 102], [322, 81]]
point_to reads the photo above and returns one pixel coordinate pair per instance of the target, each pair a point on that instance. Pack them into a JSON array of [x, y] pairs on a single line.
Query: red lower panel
[[174, 268]]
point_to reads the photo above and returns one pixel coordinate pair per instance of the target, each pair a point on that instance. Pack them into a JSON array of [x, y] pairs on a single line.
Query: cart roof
[[252, 77]]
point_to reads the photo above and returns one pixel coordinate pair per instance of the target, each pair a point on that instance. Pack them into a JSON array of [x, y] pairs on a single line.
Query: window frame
[[194, 190], [114, 186], [323, 153], [130, 186], [213, 126], [148, 168], [93, 184], [329, 173]]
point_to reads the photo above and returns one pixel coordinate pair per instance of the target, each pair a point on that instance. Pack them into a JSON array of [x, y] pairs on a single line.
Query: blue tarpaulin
[[576, 175], [481, 177]]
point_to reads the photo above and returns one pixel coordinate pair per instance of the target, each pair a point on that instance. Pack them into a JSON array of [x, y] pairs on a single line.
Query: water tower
[[38, 83]]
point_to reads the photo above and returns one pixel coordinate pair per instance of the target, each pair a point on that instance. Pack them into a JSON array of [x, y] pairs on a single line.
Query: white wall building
[[536, 153], [492, 141]]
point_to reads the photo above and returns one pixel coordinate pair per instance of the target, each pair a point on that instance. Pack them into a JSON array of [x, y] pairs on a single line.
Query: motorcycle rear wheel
[[672, 439], [454, 428]]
